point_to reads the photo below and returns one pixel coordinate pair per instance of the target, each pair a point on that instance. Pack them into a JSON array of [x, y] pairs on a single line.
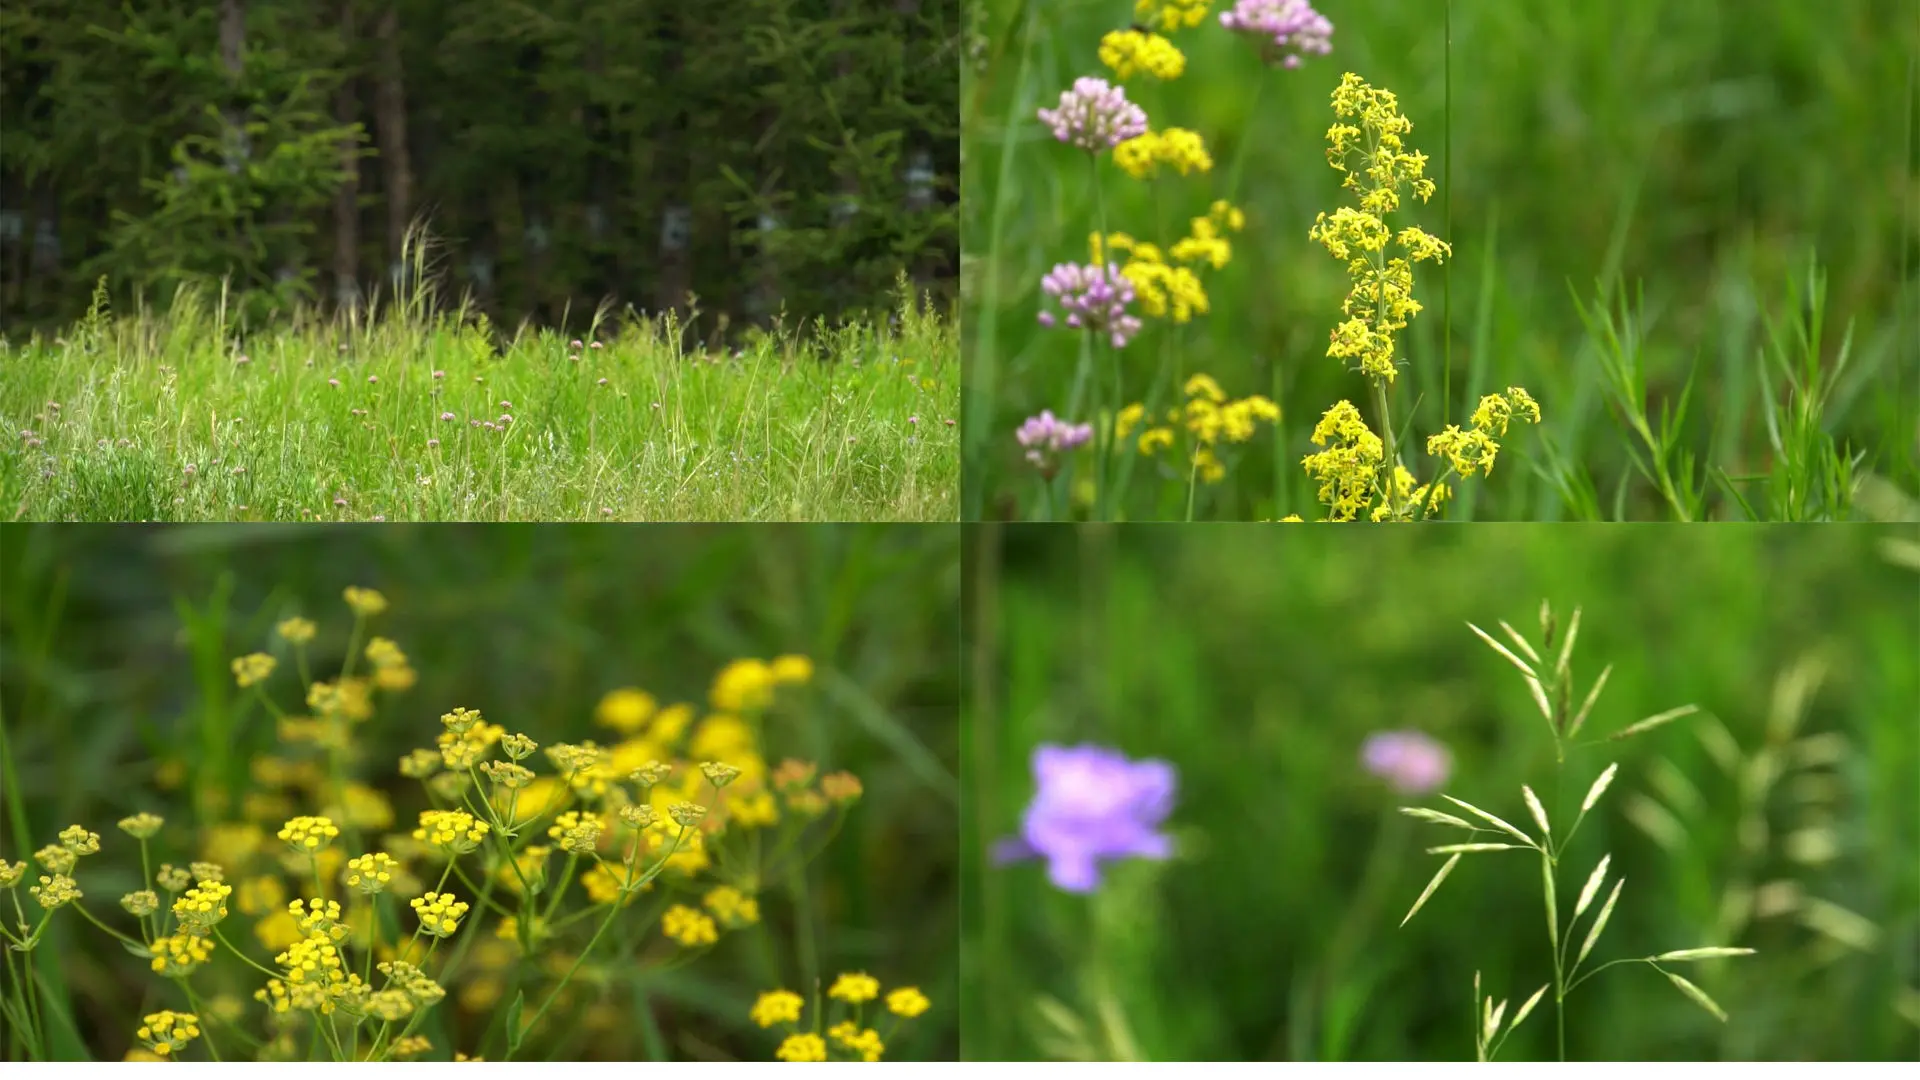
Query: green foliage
[[1780, 817]]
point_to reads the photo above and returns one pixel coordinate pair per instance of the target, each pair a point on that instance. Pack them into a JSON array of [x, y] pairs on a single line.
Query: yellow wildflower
[[854, 988], [777, 1007], [688, 926]]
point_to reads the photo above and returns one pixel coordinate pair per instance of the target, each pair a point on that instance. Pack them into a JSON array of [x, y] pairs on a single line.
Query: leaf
[[1586, 706], [1599, 788], [1502, 650], [1654, 721], [1698, 995], [1437, 817], [1599, 924], [1528, 1007], [1520, 641], [1470, 808], [1539, 812], [1566, 648], [1592, 887], [1708, 953], [1445, 869], [138, 950], [514, 1034], [1465, 849]]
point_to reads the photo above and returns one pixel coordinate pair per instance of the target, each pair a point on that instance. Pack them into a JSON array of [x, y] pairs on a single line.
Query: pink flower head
[[1410, 761], [1046, 435], [1092, 805], [1095, 116], [1285, 29], [1095, 298]]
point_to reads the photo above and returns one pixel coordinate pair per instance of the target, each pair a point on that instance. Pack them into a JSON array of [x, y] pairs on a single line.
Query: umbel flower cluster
[[532, 871], [1129, 282], [1359, 473]]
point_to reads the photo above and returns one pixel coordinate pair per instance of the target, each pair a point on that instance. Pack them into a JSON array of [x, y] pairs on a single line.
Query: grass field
[[409, 417], [120, 697], [1690, 231], [1780, 817]]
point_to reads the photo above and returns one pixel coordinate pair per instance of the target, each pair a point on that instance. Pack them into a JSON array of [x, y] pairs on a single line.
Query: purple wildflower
[[1095, 116], [1092, 806], [1046, 435], [1095, 298], [1285, 29], [1412, 762]]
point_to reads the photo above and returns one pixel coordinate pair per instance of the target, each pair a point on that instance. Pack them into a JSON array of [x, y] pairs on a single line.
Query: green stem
[[1103, 432], [206, 1019], [222, 939], [89, 916]]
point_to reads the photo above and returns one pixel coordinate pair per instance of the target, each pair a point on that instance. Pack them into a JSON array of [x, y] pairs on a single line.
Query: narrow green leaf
[[1566, 648], [1502, 650], [1698, 995], [1599, 924], [1467, 849], [1437, 817], [1472, 809], [1654, 721], [1445, 869], [1701, 954], [138, 950], [515, 1036], [1593, 695]]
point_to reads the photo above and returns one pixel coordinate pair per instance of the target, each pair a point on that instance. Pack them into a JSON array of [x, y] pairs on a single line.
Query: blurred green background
[[1702, 150], [115, 648], [1258, 660]]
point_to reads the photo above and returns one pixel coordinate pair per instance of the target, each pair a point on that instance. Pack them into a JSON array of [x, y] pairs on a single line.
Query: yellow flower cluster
[[1164, 286], [253, 668], [748, 685], [1376, 166], [296, 631], [453, 831], [1208, 418], [203, 906], [1171, 14], [1178, 149], [1472, 451], [390, 668], [440, 913], [732, 907], [309, 834], [577, 833], [1129, 52], [177, 956], [166, 1033], [365, 603], [690, 927], [56, 891], [848, 1036]]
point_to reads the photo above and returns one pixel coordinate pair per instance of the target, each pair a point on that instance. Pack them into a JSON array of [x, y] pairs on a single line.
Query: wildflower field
[[1364, 260], [412, 416], [455, 792], [1509, 793]]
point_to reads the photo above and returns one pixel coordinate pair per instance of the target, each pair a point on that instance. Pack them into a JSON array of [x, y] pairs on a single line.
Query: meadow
[[1302, 687], [410, 415], [1689, 232], [702, 808]]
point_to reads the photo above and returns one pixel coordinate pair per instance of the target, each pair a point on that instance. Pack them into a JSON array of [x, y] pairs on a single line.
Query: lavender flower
[[1045, 436], [1285, 29], [1092, 806], [1094, 297], [1413, 763], [1095, 116]]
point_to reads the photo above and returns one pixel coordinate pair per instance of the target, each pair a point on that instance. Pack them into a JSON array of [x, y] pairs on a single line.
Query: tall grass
[[410, 415]]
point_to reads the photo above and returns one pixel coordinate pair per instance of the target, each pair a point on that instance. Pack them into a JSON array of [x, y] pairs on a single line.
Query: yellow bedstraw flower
[[855, 988], [56, 891], [371, 873], [577, 833], [1171, 14], [777, 1007], [253, 668], [177, 956], [452, 831], [1179, 149], [309, 834], [167, 1033], [802, 1047], [202, 908], [365, 603], [689, 927], [850, 1037], [908, 1001], [1129, 52], [625, 710], [439, 913]]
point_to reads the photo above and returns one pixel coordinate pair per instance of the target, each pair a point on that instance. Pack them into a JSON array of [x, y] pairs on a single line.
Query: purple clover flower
[[1046, 435], [1285, 29], [1095, 116], [1095, 298], [1092, 806], [1410, 761]]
